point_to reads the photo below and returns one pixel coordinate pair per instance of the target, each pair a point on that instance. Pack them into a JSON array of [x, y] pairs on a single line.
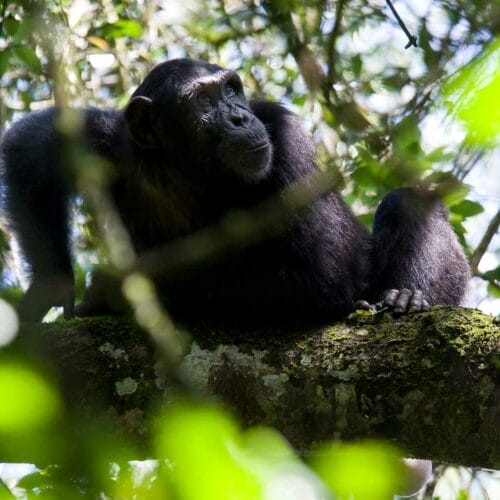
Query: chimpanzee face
[[213, 120]]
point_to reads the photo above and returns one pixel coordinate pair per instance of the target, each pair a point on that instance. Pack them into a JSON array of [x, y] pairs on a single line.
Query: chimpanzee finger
[[390, 296], [416, 301], [402, 301]]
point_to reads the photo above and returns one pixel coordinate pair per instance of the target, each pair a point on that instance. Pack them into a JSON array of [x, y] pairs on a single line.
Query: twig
[[485, 241], [412, 39], [3, 7], [330, 46]]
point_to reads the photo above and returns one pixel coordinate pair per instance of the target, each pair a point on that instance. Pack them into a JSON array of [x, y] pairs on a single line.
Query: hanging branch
[[330, 47], [412, 39], [485, 241]]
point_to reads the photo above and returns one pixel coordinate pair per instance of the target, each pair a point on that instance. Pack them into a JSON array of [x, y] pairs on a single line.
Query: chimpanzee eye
[[230, 90], [203, 98]]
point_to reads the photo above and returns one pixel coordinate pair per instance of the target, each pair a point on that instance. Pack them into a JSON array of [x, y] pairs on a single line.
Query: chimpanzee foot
[[405, 300], [400, 301]]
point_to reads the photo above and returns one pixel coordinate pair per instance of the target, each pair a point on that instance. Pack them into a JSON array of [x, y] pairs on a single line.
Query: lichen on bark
[[428, 381]]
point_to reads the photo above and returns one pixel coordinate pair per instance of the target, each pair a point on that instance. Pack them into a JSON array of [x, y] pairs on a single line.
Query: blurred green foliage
[[471, 94], [381, 117], [366, 471]]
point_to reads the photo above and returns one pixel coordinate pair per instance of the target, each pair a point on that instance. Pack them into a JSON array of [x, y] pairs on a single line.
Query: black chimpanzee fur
[[188, 148]]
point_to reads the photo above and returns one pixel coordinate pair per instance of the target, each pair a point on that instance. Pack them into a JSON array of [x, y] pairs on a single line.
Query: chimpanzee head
[[199, 112]]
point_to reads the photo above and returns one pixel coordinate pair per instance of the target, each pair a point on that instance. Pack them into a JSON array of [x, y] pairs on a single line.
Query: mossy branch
[[427, 381]]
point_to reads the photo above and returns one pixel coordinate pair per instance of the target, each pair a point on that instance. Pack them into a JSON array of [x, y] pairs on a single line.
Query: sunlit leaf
[[362, 471], [439, 155], [472, 95], [454, 194], [123, 27], [28, 401], [451, 189], [205, 448], [268, 445]]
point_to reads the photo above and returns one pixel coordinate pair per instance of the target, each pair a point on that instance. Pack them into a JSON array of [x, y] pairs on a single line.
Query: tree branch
[[484, 243], [428, 381], [412, 39], [330, 47]]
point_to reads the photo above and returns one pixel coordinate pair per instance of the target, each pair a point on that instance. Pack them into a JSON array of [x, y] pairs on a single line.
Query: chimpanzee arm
[[38, 183], [37, 209]]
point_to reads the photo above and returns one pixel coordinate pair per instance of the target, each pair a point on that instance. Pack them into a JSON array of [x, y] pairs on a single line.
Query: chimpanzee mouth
[[249, 159], [257, 148]]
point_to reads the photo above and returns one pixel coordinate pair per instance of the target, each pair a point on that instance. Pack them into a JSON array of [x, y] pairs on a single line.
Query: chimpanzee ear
[[139, 120]]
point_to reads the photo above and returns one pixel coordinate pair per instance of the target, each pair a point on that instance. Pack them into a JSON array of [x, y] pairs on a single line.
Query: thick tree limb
[[428, 381]]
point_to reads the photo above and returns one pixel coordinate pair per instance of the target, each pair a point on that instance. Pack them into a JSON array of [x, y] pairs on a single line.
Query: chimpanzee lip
[[257, 148]]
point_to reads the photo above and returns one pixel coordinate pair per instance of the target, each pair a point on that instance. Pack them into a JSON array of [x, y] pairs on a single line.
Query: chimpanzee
[[188, 148]]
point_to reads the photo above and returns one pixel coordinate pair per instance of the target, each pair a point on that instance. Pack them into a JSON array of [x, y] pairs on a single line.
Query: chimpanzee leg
[[39, 213], [417, 259]]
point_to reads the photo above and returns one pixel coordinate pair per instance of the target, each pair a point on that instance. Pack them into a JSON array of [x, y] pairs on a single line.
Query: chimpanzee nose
[[239, 117]]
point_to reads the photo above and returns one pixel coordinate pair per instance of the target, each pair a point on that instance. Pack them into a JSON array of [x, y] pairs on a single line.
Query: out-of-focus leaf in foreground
[[213, 459], [364, 471], [28, 400], [473, 95]]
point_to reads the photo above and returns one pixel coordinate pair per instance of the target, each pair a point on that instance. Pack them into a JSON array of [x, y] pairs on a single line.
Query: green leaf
[[448, 186], [494, 290], [28, 400], [356, 65], [367, 219], [363, 176], [407, 135], [4, 61], [205, 443], [123, 27], [394, 82], [5, 491], [364, 471], [438, 155], [27, 56], [467, 208], [11, 25], [24, 30], [492, 274], [471, 93], [299, 100]]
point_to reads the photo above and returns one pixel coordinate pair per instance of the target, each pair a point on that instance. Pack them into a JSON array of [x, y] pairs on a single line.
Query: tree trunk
[[427, 381]]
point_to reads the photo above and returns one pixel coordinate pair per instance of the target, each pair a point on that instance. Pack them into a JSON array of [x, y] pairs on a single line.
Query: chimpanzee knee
[[416, 249]]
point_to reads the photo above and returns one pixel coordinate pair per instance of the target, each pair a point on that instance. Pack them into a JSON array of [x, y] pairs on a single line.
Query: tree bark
[[426, 381]]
